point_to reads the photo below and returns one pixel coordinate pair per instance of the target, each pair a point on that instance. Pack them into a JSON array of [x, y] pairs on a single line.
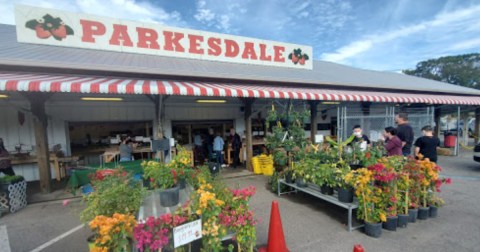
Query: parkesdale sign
[[59, 28]]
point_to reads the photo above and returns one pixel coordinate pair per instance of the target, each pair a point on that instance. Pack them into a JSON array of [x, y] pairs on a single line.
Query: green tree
[[462, 70]]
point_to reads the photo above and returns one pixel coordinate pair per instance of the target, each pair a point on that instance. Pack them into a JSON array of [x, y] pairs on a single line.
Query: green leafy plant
[[9, 179], [115, 193], [324, 175], [159, 174]]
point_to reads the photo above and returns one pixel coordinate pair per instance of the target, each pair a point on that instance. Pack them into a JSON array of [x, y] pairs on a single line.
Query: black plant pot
[[391, 223], [423, 213], [146, 183], [402, 220], [373, 229], [300, 182], [345, 195], [412, 215], [325, 189], [182, 183], [433, 211], [354, 167], [170, 197], [289, 178], [214, 168]]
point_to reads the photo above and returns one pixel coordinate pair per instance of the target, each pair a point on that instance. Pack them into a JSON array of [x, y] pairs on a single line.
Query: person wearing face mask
[[393, 144], [360, 138], [404, 132], [5, 161], [428, 144]]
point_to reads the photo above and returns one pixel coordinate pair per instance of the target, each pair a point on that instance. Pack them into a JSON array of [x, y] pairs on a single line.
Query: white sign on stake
[[187, 233]]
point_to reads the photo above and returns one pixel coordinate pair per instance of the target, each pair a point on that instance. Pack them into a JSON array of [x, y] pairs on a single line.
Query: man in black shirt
[[427, 144], [361, 138], [404, 132]]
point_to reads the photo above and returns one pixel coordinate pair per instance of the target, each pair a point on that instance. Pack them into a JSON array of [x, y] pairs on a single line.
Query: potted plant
[[163, 177], [435, 202], [403, 182], [7, 180], [337, 151], [113, 194], [302, 171], [429, 176], [182, 165], [112, 233], [412, 167], [323, 176], [280, 157], [369, 196]]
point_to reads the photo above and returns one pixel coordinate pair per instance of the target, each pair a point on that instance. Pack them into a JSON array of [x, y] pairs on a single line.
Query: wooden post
[[477, 125], [437, 114], [313, 120], [248, 102], [40, 122]]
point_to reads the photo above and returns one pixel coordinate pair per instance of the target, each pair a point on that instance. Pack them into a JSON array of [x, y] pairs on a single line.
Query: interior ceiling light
[[102, 99], [3, 96], [330, 102], [211, 101]]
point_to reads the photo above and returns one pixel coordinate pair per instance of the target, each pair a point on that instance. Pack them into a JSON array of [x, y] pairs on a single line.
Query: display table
[[80, 176], [59, 163], [315, 191]]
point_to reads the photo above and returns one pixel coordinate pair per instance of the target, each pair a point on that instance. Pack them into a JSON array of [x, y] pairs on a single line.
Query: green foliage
[[273, 182], [113, 194], [462, 70], [160, 175], [9, 179]]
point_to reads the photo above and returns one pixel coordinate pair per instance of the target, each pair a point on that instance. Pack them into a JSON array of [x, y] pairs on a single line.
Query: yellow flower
[[199, 212], [383, 217]]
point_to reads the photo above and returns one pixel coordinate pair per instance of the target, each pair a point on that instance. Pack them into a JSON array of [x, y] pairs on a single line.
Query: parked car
[[476, 152]]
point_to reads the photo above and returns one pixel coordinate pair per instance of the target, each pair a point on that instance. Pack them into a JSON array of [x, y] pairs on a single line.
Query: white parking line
[[4, 242], [56, 239]]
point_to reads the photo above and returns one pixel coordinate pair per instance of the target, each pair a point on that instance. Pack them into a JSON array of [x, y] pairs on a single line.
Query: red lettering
[[249, 50], [120, 33], [195, 43], [278, 53], [91, 28], [214, 46], [147, 38], [231, 48], [263, 53], [171, 39]]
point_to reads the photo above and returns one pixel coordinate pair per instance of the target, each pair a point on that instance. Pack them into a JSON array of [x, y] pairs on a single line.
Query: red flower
[[448, 181], [368, 155]]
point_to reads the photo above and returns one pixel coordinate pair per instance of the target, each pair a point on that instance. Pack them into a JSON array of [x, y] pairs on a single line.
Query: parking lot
[[309, 223]]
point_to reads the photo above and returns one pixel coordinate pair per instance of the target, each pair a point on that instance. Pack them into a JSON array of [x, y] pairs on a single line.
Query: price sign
[[187, 233]]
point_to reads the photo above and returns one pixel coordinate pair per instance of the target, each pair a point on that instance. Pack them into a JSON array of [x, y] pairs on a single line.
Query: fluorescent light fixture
[[330, 102], [102, 98], [211, 101], [3, 96]]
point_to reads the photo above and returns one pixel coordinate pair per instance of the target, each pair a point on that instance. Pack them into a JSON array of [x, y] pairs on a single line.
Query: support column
[[437, 113], [40, 122], [477, 125], [313, 120], [248, 102]]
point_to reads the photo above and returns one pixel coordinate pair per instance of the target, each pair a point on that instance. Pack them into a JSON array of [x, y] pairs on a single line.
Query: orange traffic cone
[[276, 239], [358, 248]]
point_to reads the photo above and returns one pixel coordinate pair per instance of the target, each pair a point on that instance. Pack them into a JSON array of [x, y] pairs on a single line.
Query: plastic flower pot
[[412, 215], [391, 223], [423, 213], [170, 197], [354, 167], [325, 189], [373, 229], [402, 220], [345, 195], [289, 178], [182, 183], [433, 211], [300, 181]]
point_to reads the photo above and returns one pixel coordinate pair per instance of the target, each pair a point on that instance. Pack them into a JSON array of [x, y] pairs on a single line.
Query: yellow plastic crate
[[257, 166]]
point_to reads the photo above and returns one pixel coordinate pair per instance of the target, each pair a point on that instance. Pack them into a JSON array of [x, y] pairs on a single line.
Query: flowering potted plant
[[237, 217], [112, 233], [429, 176], [164, 177], [323, 176], [412, 167], [369, 197], [115, 193], [182, 165], [403, 185]]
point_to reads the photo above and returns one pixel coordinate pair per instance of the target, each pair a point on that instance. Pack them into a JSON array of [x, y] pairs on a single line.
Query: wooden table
[[110, 155], [57, 162], [255, 142]]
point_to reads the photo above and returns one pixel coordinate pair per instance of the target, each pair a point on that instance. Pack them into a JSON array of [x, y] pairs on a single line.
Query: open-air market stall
[[110, 77]]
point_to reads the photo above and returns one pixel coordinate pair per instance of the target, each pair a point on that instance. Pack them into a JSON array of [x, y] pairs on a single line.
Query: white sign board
[[187, 233], [60, 28]]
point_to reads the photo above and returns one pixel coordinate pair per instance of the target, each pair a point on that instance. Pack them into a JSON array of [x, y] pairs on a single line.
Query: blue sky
[[378, 35]]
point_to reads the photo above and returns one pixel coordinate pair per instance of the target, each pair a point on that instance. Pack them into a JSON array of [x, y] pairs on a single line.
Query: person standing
[[404, 132], [209, 143], [126, 150], [428, 144], [393, 144], [218, 144], [361, 138], [236, 144], [5, 161]]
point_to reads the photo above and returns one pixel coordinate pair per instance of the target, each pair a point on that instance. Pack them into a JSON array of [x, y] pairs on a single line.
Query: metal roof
[[324, 74]]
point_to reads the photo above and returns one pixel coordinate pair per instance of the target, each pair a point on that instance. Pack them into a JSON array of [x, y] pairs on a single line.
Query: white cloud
[[465, 45], [440, 27], [204, 15]]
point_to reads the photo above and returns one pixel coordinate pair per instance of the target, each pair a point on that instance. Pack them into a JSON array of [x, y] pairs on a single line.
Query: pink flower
[[448, 181]]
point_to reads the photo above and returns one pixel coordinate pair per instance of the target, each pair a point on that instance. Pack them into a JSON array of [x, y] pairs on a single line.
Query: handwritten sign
[[187, 233]]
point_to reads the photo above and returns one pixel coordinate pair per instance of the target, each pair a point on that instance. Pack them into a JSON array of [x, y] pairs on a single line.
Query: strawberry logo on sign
[[49, 26], [297, 57]]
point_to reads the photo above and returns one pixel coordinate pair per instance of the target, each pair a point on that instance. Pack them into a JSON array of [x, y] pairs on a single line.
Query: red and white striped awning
[[36, 82]]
